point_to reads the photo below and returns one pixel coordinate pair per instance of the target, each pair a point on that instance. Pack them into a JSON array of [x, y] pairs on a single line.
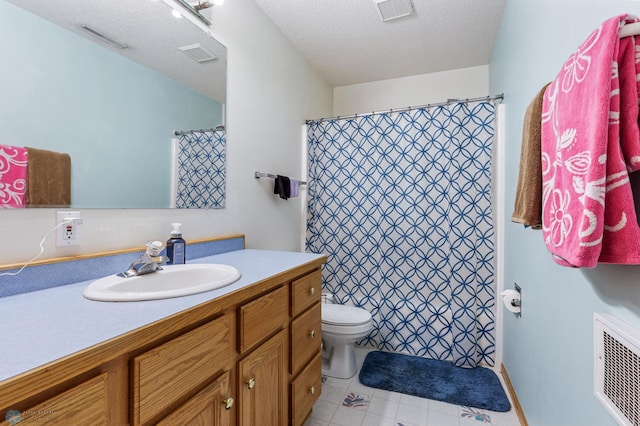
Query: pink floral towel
[[13, 176], [590, 143]]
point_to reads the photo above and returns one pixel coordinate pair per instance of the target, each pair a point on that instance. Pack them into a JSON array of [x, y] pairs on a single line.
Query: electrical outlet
[[67, 232]]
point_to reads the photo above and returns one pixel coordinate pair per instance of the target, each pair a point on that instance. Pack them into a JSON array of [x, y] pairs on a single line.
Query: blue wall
[[64, 93], [548, 352]]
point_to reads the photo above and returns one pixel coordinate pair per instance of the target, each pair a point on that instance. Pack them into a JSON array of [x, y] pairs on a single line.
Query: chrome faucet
[[149, 262]]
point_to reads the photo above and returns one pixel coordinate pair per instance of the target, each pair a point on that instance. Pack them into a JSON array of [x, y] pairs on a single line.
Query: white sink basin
[[171, 281]]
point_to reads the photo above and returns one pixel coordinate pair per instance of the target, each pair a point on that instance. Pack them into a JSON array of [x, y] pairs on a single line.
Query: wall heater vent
[[617, 368]]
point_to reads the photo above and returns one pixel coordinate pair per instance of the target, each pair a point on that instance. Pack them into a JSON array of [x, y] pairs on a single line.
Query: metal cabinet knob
[[312, 333], [312, 291], [251, 382], [312, 390], [228, 403]]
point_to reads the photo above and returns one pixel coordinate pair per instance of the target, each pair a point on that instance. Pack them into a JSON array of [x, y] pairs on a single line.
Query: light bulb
[[176, 13]]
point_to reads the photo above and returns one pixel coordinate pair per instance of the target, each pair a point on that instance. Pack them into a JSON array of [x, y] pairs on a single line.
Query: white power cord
[[44, 238]]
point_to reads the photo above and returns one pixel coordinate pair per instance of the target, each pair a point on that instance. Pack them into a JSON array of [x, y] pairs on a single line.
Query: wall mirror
[[109, 82]]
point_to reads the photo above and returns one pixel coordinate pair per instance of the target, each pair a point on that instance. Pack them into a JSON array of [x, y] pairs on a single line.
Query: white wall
[[271, 91], [411, 91]]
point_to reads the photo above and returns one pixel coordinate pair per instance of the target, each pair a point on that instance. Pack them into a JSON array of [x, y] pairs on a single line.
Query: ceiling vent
[[393, 9], [198, 53]]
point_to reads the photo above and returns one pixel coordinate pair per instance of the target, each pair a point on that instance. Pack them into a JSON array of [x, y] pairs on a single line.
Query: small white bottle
[[176, 246]]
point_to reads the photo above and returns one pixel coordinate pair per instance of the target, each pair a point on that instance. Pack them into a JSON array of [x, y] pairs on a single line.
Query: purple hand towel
[[295, 184]]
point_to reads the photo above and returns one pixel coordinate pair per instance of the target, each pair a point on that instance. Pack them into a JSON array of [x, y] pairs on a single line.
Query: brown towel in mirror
[[528, 204], [48, 178]]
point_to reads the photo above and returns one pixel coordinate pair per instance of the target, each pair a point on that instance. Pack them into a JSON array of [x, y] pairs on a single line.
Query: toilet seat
[[344, 315]]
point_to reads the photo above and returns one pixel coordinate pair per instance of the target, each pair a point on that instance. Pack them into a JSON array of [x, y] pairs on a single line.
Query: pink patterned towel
[[590, 143], [13, 176]]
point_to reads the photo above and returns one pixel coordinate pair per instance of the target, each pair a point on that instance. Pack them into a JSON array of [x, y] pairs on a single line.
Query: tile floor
[[349, 403]]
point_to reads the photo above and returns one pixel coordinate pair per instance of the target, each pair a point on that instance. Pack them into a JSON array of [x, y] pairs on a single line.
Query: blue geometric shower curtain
[[401, 203], [201, 169]]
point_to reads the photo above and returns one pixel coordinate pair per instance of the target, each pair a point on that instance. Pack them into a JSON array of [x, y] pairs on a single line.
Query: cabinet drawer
[[306, 337], [261, 317], [305, 390], [83, 404], [305, 291], [167, 373]]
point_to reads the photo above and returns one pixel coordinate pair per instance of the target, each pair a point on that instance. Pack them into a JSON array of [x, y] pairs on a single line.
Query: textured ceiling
[[344, 40], [347, 42], [152, 34]]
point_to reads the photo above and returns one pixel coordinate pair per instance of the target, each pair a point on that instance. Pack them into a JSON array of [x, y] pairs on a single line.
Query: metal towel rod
[[259, 175]]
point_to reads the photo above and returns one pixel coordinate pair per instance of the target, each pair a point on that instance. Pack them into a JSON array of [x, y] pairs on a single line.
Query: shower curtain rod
[[409, 108], [188, 132]]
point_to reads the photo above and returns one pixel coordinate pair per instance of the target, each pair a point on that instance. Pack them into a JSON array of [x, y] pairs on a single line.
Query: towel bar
[[258, 175]]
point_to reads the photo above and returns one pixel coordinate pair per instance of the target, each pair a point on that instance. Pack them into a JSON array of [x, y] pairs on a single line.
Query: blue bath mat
[[440, 380]]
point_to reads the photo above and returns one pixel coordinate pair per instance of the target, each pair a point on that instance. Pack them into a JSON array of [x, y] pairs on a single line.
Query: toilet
[[342, 326]]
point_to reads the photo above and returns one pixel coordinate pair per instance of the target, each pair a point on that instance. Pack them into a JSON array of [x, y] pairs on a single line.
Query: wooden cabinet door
[[176, 369], [212, 406], [262, 382]]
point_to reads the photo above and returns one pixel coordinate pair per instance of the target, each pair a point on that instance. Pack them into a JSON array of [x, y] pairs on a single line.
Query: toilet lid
[[344, 315]]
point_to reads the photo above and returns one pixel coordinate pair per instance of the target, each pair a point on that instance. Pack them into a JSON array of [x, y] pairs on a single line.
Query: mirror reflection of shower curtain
[[401, 204], [198, 170]]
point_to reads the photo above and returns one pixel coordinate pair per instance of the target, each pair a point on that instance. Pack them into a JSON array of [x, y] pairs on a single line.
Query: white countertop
[[42, 326]]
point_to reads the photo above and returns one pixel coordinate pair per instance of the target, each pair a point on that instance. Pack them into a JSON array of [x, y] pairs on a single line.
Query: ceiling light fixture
[[191, 8], [176, 13], [393, 9], [202, 5], [206, 4]]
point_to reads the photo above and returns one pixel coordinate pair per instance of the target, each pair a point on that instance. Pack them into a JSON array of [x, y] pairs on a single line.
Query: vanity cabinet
[[305, 362], [249, 357]]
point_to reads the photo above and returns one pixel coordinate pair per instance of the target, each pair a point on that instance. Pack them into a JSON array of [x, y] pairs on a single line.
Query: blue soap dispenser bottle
[[176, 246]]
